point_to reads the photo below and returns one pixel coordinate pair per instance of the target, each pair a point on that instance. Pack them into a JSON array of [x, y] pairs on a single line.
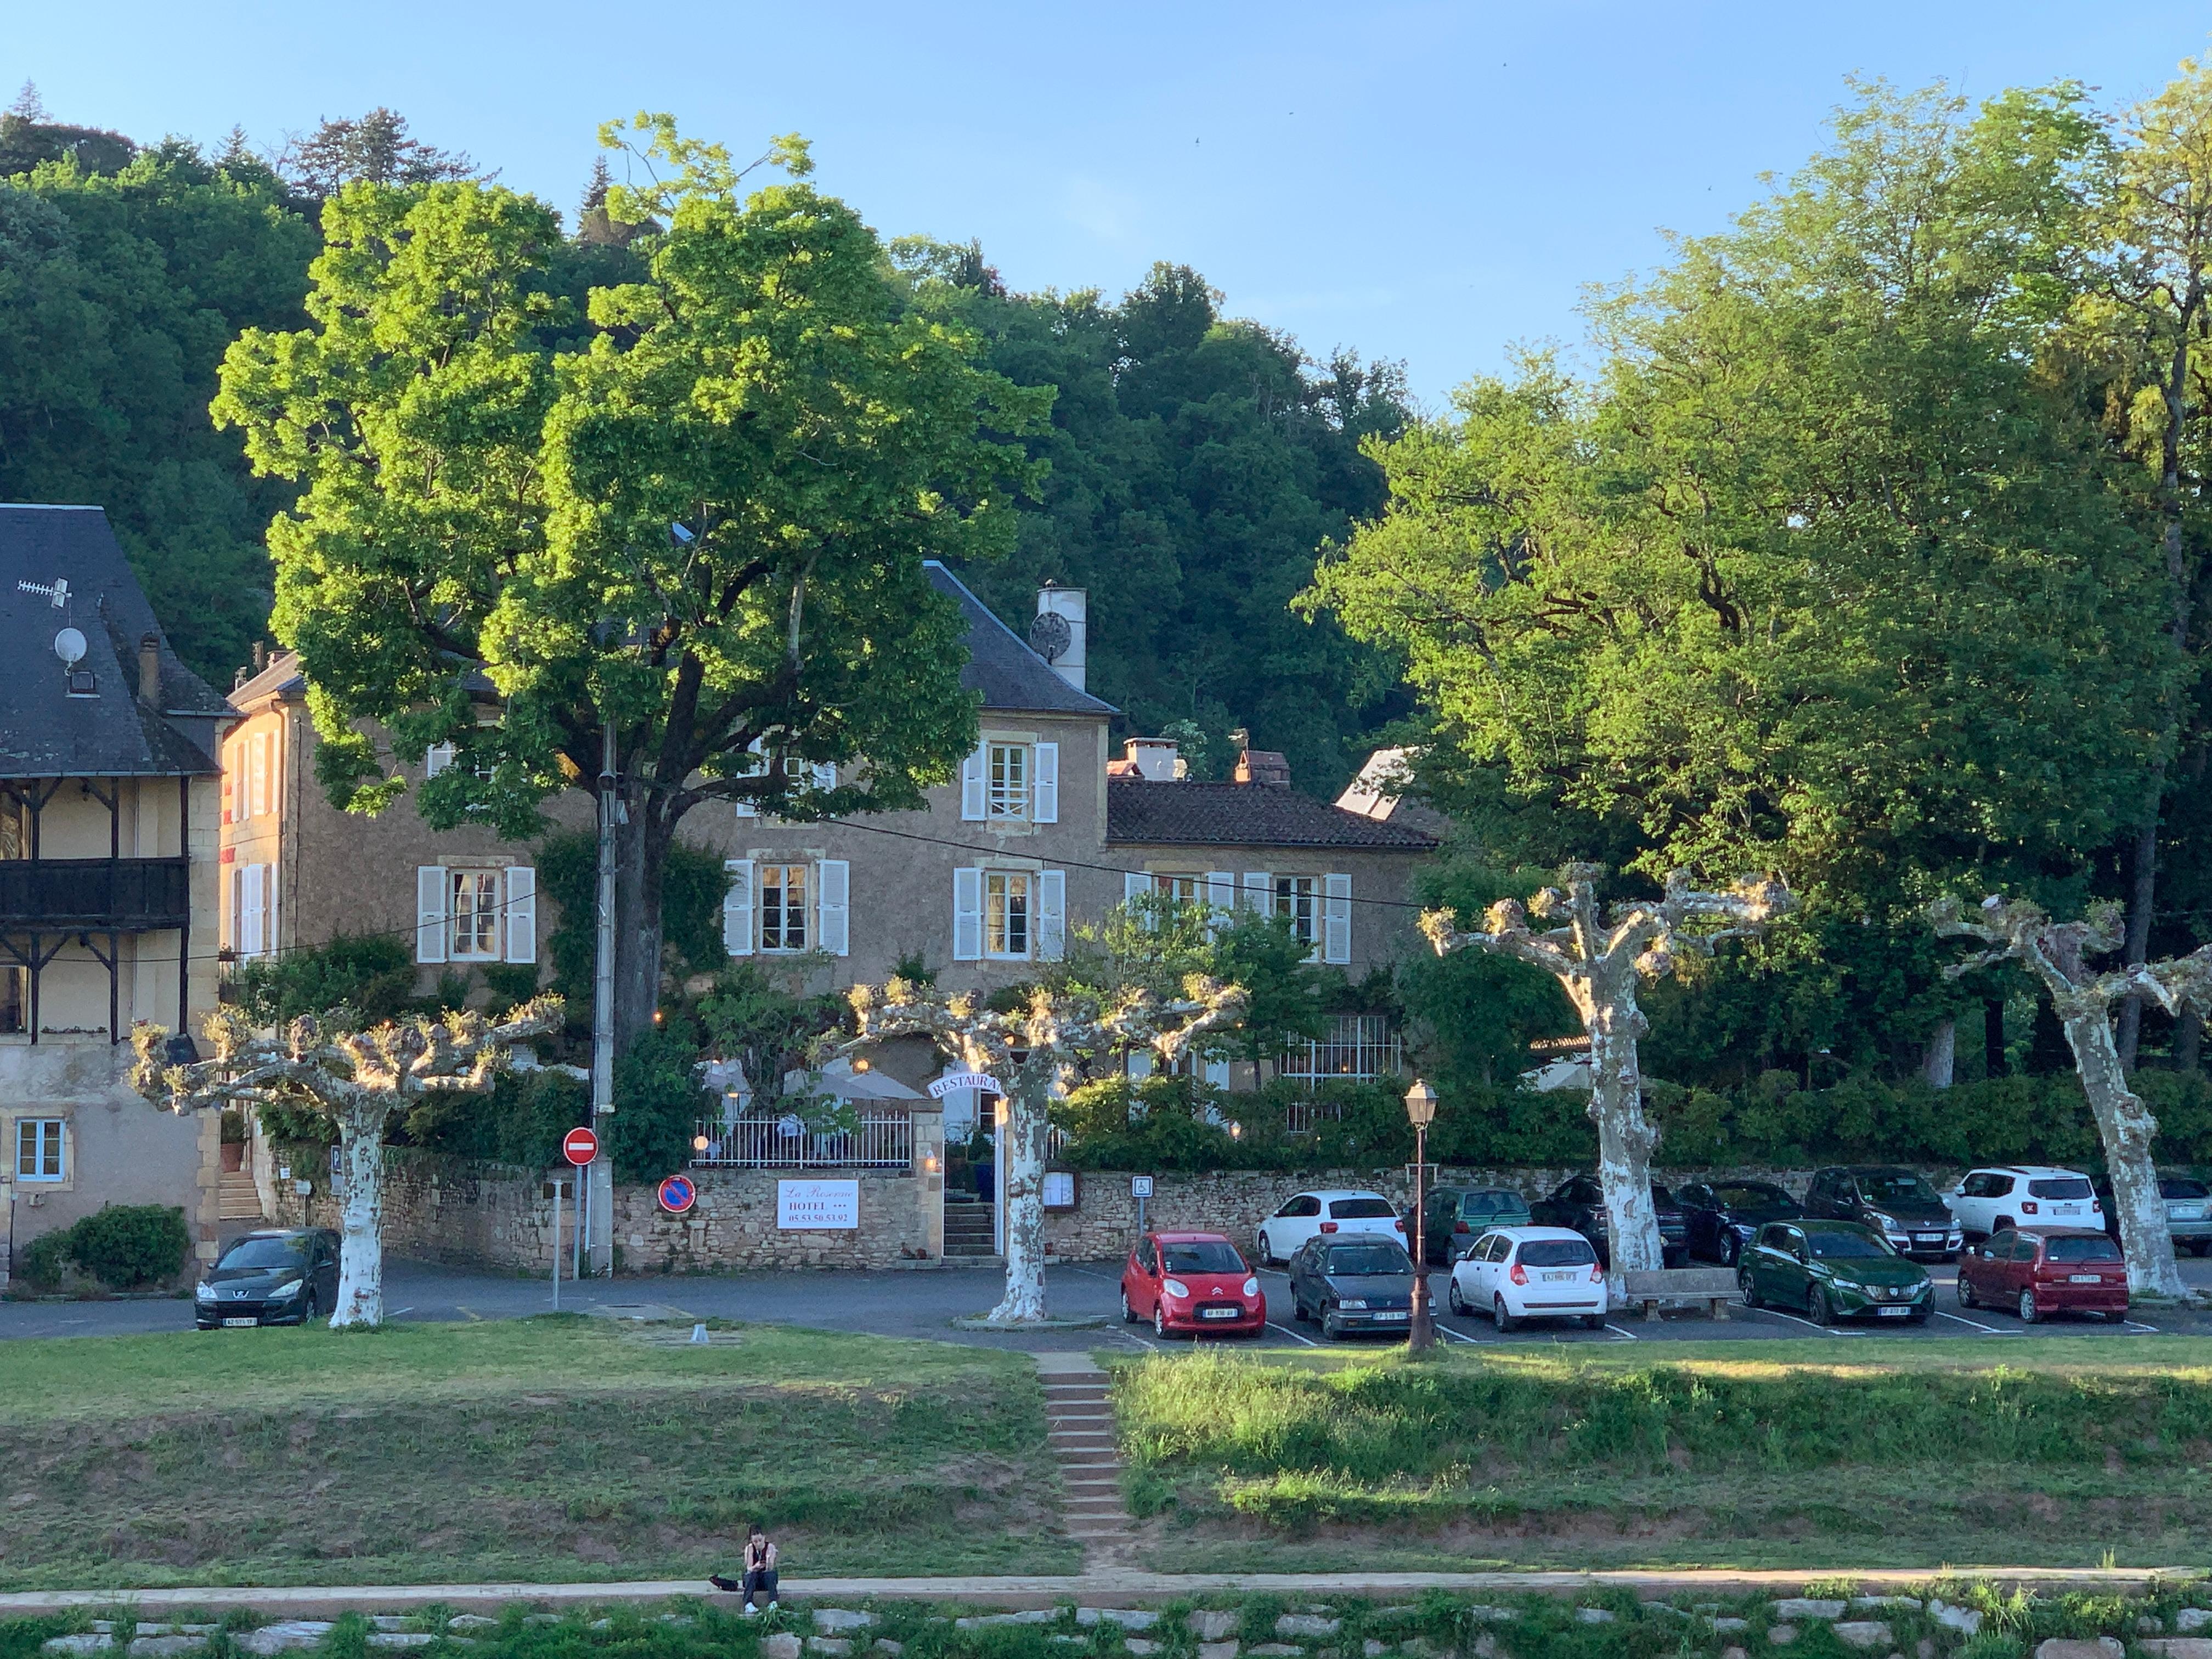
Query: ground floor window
[[39, 1149], [783, 907]]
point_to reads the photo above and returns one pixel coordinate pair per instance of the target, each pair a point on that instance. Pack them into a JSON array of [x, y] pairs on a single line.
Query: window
[[2073, 1186], [1303, 1205], [1298, 897], [39, 1149], [1203, 1256], [15, 830], [15, 1000], [1009, 777], [1557, 1252], [1361, 1209], [476, 915], [1006, 913], [783, 907]]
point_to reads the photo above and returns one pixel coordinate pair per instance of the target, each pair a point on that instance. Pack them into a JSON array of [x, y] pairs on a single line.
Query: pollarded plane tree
[[360, 1080], [2014, 930], [1060, 1037], [1599, 959]]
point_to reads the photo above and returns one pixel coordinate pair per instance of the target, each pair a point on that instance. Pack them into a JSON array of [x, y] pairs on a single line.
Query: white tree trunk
[[1021, 1192], [361, 1245], [1939, 1063], [1625, 1139], [2127, 1126]]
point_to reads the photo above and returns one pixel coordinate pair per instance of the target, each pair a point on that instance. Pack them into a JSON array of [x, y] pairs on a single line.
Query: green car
[[1833, 1270]]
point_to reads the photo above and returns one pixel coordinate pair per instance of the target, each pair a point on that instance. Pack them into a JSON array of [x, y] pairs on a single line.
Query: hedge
[[123, 1246]]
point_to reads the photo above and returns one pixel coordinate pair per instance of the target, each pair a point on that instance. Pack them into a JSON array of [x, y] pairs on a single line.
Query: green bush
[[520, 1121], [657, 1103], [373, 975], [123, 1246]]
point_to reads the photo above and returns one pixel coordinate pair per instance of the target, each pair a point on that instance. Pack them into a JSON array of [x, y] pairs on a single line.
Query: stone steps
[[237, 1198], [1079, 1432]]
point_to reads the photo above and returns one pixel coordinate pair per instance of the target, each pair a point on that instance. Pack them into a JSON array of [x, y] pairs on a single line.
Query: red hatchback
[[2036, 1274], [1192, 1282]]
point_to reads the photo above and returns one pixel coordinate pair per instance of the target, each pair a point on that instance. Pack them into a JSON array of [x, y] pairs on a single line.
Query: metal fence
[[786, 1143], [1357, 1048]]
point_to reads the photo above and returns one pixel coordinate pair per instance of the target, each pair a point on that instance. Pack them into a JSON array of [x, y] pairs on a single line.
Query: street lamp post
[[1421, 1110]]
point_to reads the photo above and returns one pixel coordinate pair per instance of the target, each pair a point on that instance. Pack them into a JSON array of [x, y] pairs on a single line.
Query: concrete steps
[[1080, 1429], [237, 1198], [970, 1231]]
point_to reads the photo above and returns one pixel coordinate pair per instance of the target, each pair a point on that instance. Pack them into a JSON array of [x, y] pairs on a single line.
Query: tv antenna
[[58, 590]]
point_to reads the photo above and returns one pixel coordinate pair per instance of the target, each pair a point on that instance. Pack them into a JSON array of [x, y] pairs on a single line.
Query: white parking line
[[1976, 1323], [1631, 1335], [1292, 1335], [1443, 1329], [2130, 1325], [1824, 1330]]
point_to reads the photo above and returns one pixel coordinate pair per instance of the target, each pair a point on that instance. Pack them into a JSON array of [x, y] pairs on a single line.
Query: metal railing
[[786, 1143], [1358, 1049]]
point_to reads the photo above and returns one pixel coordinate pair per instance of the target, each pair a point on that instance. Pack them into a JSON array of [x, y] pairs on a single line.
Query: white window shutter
[[737, 907], [521, 917], [257, 775], [968, 913], [1260, 891], [971, 785], [251, 944], [1220, 898], [1044, 785], [1336, 918], [432, 892], [268, 909], [437, 757], [752, 769], [825, 776], [1052, 915], [1135, 883], [834, 924]]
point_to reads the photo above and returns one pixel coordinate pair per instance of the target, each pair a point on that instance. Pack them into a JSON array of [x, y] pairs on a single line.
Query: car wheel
[[1749, 1285], [1328, 1329], [2029, 1313], [1457, 1303], [308, 1308], [1499, 1317], [1966, 1292], [1819, 1309], [1159, 1320]]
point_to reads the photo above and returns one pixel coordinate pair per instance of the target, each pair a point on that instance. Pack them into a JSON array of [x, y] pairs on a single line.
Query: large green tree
[[118, 292], [1197, 462], [1823, 570], [701, 523]]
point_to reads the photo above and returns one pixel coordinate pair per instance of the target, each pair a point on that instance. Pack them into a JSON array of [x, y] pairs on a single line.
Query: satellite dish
[[69, 646], [1050, 636]]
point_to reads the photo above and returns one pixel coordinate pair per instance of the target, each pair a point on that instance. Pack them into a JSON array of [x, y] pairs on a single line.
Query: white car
[[1514, 1273], [2026, 1196], [1327, 1210]]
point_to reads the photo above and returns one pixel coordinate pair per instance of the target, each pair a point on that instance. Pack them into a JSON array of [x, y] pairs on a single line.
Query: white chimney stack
[[1072, 607], [1156, 759]]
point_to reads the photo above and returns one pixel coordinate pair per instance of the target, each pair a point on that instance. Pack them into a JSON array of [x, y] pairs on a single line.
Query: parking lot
[[924, 1303]]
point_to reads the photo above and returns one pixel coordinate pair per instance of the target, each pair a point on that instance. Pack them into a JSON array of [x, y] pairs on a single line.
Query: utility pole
[[599, 1175]]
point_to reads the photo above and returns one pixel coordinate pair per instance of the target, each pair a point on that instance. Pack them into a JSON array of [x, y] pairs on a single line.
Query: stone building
[[108, 892]]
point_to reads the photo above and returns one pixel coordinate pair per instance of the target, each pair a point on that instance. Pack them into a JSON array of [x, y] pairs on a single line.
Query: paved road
[[923, 1302]]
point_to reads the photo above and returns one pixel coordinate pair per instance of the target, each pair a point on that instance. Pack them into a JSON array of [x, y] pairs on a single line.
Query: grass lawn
[[559, 1448], [2046, 1451]]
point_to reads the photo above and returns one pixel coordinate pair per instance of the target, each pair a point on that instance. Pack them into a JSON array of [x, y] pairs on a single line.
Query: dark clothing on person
[[760, 1582]]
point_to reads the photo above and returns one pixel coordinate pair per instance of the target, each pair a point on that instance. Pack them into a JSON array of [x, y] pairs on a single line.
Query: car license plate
[[241, 1322], [2188, 1212], [1558, 1279], [1219, 1313], [2085, 1279], [1928, 1239], [1389, 1318], [1892, 1312]]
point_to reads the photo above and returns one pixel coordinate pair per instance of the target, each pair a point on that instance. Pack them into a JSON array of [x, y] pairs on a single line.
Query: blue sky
[[1430, 183]]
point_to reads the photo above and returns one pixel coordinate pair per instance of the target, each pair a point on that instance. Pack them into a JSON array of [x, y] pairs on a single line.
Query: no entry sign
[[579, 1146]]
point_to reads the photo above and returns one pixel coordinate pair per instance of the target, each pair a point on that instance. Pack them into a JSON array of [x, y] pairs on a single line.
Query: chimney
[[1264, 767], [1153, 759], [260, 656], [1060, 643], [150, 669]]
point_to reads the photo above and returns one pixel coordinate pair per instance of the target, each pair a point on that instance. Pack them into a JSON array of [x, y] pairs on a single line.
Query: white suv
[[1326, 1210], [2026, 1196]]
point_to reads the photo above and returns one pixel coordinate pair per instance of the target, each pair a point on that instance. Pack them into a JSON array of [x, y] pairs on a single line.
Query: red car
[[1192, 1282], [2038, 1274]]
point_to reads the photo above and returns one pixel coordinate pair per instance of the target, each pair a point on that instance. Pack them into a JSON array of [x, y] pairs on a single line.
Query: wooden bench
[[1714, 1286]]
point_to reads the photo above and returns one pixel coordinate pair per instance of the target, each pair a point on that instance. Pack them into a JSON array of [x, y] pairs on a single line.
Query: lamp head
[[1421, 1104]]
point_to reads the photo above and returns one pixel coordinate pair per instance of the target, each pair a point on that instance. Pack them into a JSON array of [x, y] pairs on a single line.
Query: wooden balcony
[[105, 895]]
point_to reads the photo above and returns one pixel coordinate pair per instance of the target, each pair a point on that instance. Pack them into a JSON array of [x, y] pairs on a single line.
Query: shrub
[[373, 975], [123, 1246], [658, 1101]]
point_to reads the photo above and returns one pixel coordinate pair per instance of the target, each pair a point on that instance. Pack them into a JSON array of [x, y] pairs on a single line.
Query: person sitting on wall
[[759, 1571]]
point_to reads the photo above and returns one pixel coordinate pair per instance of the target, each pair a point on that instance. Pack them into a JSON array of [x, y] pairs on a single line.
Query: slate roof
[[1189, 814], [1000, 663], [44, 731]]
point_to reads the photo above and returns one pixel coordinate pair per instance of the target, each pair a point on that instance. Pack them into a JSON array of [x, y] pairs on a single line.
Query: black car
[[279, 1277], [1896, 1203], [1352, 1282], [1578, 1202], [1454, 1216], [1725, 1216]]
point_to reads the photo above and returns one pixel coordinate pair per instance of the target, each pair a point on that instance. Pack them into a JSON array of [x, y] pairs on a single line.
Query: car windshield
[[1493, 1204], [1557, 1253], [1206, 1256], [1367, 1260], [2099, 1249], [2071, 1187], [1842, 1246], [1360, 1209], [2175, 1187], [1752, 1195], [265, 1253], [1901, 1186]]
